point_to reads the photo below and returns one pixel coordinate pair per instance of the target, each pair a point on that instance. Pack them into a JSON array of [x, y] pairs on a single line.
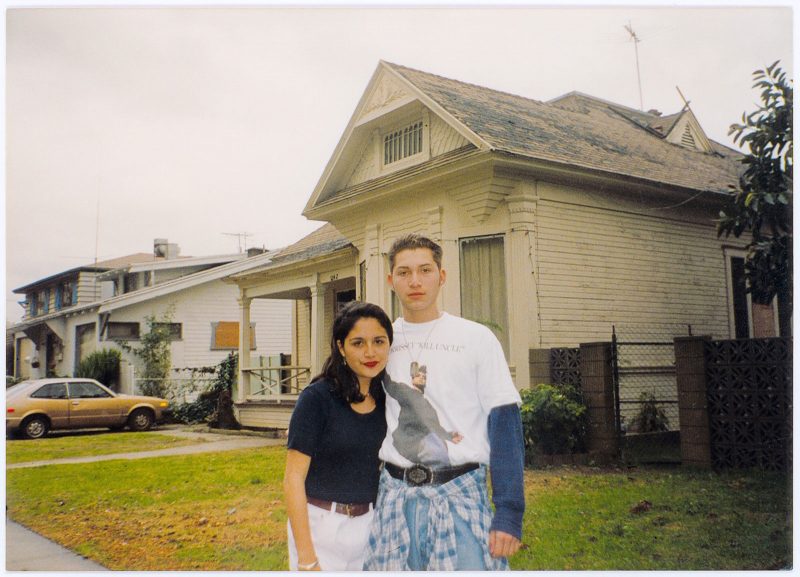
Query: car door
[[90, 405], [52, 399]]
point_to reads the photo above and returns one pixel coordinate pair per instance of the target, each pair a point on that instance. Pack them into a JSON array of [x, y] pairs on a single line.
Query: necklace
[[419, 373]]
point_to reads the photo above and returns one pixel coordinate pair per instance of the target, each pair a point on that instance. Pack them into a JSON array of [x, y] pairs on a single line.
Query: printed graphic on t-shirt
[[419, 436]]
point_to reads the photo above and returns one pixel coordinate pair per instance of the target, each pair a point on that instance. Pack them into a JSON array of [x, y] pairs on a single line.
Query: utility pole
[[636, 41]]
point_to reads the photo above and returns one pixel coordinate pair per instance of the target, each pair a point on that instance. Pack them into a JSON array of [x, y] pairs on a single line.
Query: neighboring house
[[558, 219], [204, 313]]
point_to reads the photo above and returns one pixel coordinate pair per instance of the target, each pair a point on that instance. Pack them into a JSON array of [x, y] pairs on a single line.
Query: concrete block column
[[597, 385], [539, 366], [690, 371]]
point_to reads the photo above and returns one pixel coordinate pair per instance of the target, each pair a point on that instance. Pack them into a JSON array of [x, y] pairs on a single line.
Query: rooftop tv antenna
[[241, 237], [636, 41]]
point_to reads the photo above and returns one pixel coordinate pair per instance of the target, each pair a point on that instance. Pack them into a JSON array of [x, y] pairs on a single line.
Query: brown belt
[[349, 509]]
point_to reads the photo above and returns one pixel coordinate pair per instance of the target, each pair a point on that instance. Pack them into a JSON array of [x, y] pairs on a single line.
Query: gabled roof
[[575, 130], [100, 266], [185, 282]]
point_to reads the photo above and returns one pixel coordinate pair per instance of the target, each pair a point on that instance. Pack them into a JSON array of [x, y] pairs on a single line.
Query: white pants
[[340, 541]]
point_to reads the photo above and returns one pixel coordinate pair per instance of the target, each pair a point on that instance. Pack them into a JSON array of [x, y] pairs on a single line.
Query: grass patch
[[667, 519], [91, 444], [224, 511]]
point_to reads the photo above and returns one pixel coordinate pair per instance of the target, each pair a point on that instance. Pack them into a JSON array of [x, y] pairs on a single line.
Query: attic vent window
[[402, 143], [687, 139]]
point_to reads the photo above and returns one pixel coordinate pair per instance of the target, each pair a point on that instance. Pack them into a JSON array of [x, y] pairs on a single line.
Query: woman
[[336, 429]]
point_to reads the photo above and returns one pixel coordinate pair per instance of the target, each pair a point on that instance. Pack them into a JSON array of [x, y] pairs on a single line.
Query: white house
[[117, 298], [558, 220]]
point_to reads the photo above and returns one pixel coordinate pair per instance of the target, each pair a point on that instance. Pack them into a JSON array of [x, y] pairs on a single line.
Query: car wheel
[[35, 428], [140, 420]]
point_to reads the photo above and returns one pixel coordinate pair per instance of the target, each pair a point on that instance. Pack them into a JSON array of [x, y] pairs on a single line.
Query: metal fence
[[646, 391]]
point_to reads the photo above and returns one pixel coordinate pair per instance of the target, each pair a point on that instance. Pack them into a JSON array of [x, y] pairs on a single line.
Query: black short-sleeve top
[[343, 445]]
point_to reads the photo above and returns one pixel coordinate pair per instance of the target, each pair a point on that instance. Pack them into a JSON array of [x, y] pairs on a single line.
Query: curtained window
[[483, 284]]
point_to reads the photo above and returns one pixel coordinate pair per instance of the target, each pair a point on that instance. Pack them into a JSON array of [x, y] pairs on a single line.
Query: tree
[[154, 351], [762, 202]]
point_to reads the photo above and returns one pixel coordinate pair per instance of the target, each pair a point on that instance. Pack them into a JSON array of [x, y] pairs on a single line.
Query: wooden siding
[[368, 165], [598, 267], [88, 289], [265, 416], [443, 138], [196, 309]]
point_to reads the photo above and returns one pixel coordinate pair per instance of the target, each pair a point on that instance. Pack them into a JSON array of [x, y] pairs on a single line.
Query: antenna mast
[[636, 41], [240, 237]]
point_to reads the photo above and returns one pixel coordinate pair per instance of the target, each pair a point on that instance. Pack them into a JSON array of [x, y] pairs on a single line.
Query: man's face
[[416, 280]]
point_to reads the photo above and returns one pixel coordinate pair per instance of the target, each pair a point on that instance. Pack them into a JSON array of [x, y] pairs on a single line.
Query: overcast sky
[[129, 124]]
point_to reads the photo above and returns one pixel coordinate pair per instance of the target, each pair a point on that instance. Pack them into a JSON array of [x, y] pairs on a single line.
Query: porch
[[318, 273]]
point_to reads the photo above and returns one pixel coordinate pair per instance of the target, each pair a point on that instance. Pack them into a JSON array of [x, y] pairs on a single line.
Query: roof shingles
[[579, 131]]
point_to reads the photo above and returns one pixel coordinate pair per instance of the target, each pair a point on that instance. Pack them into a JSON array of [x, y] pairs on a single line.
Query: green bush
[[206, 407], [651, 418], [553, 421], [102, 366]]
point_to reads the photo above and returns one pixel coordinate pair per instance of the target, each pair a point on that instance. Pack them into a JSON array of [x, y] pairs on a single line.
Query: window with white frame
[[483, 284], [747, 318], [402, 143]]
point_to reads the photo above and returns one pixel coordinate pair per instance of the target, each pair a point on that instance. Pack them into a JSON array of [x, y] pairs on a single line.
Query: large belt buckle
[[419, 475], [348, 508]]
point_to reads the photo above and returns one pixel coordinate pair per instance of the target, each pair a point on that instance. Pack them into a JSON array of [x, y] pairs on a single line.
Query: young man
[[451, 411]]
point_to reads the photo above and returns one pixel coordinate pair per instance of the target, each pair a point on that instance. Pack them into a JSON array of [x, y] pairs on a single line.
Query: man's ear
[[389, 281], [442, 276]]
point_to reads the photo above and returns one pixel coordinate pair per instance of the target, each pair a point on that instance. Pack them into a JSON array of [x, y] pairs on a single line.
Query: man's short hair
[[414, 241]]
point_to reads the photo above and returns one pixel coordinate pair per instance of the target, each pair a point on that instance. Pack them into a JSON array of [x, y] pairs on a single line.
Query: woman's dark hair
[[344, 382]]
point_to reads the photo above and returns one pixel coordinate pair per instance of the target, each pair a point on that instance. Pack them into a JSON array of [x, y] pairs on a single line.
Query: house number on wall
[[334, 277]]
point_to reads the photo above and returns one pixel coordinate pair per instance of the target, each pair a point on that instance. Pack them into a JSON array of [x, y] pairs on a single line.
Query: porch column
[[522, 295], [375, 283], [317, 327], [244, 349]]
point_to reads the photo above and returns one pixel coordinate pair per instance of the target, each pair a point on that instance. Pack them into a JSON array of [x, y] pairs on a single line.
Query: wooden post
[[243, 385]]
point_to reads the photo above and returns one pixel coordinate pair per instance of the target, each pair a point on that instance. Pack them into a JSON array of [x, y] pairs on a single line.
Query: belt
[[349, 509], [417, 474]]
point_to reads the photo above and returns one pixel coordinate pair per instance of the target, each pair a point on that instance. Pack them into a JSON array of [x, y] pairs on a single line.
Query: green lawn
[[224, 511], [90, 444]]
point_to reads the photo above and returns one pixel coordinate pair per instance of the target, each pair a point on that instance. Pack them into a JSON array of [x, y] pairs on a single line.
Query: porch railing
[[279, 383]]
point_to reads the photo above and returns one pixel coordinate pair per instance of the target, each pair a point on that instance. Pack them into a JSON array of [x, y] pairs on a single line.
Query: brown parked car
[[35, 407]]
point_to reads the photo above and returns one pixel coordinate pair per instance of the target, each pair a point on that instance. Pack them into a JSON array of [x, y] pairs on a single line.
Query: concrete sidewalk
[[29, 551]]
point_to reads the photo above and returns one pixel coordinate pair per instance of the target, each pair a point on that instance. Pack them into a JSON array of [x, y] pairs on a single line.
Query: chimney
[[253, 251], [165, 249], [160, 247], [654, 112]]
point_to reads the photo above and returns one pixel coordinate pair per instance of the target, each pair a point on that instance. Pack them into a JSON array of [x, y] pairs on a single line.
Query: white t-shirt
[[464, 374]]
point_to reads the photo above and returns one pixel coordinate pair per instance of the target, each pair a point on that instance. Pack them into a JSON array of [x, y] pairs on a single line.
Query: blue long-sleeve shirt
[[506, 464]]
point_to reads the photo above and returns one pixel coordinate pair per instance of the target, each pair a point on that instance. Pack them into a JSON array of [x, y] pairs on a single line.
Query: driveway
[[29, 551]]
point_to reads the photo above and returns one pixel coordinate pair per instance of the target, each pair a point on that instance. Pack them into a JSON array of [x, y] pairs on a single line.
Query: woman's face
[[366, 349]]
